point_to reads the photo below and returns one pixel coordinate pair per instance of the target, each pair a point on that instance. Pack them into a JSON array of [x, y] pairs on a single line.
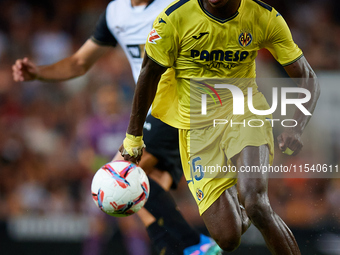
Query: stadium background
[[53, 136]]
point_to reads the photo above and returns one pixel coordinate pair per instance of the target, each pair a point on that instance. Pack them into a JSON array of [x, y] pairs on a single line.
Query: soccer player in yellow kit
[[210, 39]]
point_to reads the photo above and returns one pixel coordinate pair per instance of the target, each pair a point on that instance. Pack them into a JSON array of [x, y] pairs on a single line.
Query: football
[[120, 188]]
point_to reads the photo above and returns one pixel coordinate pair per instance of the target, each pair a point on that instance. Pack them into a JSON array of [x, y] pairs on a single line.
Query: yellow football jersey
[[195, 44]]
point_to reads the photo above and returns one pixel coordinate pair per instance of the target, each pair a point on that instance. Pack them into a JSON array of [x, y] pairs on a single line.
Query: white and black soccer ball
[[120, 188]]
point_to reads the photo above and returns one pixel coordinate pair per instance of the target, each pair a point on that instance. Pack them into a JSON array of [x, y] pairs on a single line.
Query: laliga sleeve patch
[[153, 36]]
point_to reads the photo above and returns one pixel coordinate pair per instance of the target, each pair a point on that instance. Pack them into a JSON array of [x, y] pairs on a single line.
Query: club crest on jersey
[[245, 38], [153, 36]]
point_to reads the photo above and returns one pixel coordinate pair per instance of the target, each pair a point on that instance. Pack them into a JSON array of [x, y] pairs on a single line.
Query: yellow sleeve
[[279, 41], [162, 43]]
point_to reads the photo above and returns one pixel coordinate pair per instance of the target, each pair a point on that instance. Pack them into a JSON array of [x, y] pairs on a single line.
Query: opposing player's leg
[[252, 190], [163, 178], [133, 236], [162, 163], [162, 240], [160, 237]]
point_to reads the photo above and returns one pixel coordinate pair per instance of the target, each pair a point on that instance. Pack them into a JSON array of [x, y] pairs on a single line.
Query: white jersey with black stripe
[[130, 27]]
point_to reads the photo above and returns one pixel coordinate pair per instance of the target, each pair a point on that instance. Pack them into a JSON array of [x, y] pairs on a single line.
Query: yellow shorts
[[206, 154]]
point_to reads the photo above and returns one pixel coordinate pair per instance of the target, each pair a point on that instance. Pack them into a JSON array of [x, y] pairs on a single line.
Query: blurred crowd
[[54, 136]]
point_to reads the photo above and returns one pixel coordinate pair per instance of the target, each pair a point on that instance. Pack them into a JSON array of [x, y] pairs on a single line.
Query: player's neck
[[139, 2], [222, 9]]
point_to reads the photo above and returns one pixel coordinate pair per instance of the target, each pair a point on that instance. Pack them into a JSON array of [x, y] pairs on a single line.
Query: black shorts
[[161, 141]]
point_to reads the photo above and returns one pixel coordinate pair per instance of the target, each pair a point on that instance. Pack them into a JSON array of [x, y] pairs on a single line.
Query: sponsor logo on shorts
[[199, 194]]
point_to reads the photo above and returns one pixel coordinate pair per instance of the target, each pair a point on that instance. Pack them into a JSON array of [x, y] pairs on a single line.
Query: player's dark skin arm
[[291, 137], [145, 92]]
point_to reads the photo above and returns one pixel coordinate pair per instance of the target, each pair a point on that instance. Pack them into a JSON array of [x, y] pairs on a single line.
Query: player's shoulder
[[258, 5], [262, 12], [180, 13], [260, 8], [179, 8]]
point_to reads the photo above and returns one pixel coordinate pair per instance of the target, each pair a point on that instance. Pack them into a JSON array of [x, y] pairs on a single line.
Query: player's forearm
[[144, 94], [302, 120], [65, 69], [307, 79], [142, 100]]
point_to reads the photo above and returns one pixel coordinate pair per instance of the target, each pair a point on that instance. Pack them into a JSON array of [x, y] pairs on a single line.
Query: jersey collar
[[216, 18]]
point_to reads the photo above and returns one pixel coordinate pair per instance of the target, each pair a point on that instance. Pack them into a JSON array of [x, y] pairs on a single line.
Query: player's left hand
[[132, 148], [290, 142]]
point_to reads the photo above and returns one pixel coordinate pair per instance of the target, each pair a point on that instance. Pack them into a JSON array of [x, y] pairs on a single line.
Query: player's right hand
[[132, 148], [24, 70], [290, 142]]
